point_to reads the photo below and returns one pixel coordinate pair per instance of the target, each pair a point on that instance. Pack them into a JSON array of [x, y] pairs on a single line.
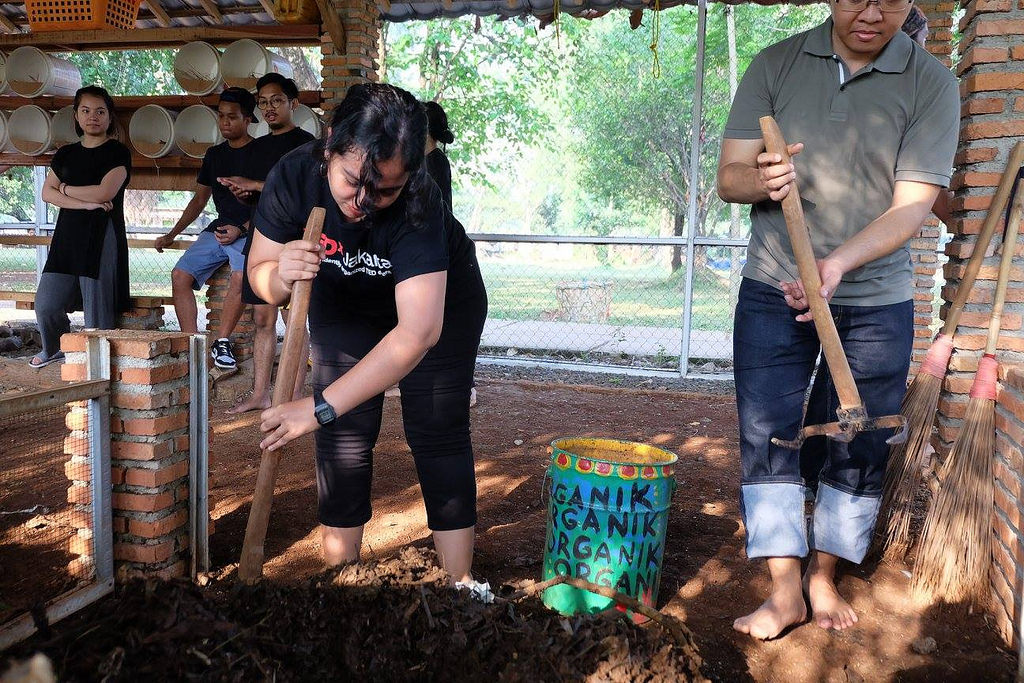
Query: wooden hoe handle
[[839, 367], [250, 566]]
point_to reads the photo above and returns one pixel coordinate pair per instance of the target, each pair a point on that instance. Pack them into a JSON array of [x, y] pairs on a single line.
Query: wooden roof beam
[[213, 10], [332, 23], [268, 7], [135, 39], [158, 12], [7, 25]]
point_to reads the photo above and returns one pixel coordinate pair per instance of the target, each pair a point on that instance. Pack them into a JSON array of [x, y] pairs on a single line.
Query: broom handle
[[250, 565], [988, 228], [807, 265], [1005, 264]]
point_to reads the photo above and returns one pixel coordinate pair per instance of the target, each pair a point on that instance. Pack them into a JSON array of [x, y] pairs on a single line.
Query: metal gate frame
[[95, 390]]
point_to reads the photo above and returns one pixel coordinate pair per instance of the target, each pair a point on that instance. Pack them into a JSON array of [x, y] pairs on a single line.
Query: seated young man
[[277, 98], [224, 239]]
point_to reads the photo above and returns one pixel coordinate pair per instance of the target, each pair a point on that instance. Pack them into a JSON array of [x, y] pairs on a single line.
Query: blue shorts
[[207, 255]]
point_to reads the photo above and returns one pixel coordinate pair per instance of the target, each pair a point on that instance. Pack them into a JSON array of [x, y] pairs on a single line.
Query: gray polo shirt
[[895, 119]]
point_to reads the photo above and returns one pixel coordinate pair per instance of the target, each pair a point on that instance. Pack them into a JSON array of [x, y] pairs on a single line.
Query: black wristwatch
[[325, 414]]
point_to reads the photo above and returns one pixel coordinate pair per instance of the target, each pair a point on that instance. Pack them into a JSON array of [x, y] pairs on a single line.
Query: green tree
[[491, 76], [128, 72], [16, 198], [633, 126]]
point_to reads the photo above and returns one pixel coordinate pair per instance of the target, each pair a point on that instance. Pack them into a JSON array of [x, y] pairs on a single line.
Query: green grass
[[645, 296], [640, 296]]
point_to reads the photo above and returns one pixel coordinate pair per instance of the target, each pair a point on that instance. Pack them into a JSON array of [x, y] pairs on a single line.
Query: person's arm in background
[[108, 188], [195, 206], [51, 194], [943, 206]]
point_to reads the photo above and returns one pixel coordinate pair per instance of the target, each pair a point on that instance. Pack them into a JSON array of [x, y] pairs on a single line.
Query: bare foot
[[828, 607], [251, 403], [779, 612]]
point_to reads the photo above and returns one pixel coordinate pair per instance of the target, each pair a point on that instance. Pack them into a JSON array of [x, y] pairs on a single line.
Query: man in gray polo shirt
[[872, 120]]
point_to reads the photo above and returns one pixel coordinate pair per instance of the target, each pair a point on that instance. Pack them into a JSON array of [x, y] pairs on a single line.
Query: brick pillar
[[357, 61], [991, 78], [143, 315], [245, 330], [923, 249], [149, 420], [1007, 577]]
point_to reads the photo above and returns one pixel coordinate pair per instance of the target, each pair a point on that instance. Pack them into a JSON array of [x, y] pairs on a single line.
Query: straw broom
[[956, 544], [907, 461]]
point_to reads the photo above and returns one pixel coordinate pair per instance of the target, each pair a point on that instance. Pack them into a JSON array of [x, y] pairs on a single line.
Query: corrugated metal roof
[[407, 11]]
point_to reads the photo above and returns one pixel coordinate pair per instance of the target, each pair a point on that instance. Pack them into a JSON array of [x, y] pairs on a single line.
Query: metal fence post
[[199, 455], [97, 366], [38, 178], [691, 205]]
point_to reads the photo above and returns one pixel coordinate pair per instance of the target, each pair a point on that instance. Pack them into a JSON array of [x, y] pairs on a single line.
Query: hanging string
[[655, 38], [556, 9]]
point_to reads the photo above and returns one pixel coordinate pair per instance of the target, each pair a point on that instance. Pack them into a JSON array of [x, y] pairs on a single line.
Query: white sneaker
[[478, 590]]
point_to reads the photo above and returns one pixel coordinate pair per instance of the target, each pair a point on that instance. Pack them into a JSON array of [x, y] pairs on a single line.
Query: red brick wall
[[357, 60], [991, 73], [924, 248], [149, 420]]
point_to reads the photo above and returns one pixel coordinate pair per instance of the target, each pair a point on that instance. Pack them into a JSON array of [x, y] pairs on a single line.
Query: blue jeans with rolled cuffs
[[774, 358]]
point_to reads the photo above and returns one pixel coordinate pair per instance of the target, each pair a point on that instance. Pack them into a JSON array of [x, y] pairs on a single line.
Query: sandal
[[37, 361]]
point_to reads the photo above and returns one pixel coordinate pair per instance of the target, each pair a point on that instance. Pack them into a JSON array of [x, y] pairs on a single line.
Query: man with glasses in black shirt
[[277, 98], [225, 238]]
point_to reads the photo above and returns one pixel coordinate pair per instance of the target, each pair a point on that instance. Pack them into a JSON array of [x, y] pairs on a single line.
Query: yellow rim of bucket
[[604, 450]]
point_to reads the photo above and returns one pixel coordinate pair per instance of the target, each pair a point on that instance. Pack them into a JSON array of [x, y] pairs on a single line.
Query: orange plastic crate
[[81, 15]]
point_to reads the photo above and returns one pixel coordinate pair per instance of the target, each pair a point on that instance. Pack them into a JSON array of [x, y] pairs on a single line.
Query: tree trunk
[[302, 72], [678, 226]]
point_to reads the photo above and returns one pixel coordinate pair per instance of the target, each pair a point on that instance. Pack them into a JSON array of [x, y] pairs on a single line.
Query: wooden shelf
[[139, 162], [155, 38], [310, 98]]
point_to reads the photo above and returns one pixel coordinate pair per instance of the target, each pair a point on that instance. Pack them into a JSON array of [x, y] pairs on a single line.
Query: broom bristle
[[956, 545], [905, 468]]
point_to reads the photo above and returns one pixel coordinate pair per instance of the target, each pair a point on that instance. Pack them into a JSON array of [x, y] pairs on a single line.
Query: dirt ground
[[706, 580]]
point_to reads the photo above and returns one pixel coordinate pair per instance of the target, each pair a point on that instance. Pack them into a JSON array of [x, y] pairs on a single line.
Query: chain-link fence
[[614, 302], [52, 447]]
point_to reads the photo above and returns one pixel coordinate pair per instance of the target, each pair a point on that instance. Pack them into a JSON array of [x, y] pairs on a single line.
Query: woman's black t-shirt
[[77, 244], [364, 260]]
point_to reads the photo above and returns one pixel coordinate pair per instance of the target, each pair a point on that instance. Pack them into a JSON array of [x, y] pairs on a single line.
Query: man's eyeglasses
[[273, 102], [883, 5]]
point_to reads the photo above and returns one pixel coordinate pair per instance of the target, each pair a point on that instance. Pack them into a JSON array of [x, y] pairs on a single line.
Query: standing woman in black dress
[[88, 259], [437, 161]]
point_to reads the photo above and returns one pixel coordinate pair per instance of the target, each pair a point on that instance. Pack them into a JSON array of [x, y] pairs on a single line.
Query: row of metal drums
[[154, 131], [199, 68]]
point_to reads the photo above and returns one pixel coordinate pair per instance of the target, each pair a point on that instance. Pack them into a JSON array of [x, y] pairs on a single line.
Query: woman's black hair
[[437, 123], [382, 121], [95, 91], [916, 25]]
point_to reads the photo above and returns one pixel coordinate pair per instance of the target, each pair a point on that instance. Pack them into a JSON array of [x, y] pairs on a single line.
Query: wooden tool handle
[[800, 239], [988, 228], [1005, 264], [250, 565]]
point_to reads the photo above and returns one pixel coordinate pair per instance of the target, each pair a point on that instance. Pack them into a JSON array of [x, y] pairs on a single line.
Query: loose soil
[[707, 581]]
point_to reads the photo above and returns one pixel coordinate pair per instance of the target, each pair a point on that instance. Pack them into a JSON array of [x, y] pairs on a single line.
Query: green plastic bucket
[[607, 514]]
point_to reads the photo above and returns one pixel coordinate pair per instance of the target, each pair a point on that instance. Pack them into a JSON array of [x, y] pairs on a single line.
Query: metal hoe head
[[850, 423]]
